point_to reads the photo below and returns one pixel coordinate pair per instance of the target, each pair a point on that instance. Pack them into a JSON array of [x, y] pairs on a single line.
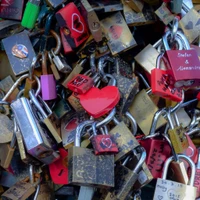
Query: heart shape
[[107, 142], [160, 197], [77, 24], [189, 25], [99, 102], [59, 169], [198, 22]]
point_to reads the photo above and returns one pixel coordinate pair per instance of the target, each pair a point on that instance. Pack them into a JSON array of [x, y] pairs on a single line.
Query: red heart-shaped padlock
[[59, 169], [99, 102]]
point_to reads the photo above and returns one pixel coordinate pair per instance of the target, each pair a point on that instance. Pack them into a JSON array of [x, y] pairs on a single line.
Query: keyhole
[[61, 172]]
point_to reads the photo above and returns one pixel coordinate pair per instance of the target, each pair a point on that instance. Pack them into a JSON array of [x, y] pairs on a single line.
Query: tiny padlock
[[48, 83], [103, 143]]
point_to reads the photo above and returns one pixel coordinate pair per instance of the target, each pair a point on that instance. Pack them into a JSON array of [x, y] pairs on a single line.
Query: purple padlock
[[48, 83]]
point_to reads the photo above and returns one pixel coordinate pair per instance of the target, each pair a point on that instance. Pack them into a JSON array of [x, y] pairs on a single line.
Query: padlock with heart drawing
[[70, 18], [103, 143]]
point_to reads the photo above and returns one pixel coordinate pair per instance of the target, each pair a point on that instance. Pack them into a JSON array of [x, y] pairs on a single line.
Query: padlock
[[185, 72], [69, 124], [190, 23], [55, 3], [46, 113], [118, 33], [7, 151], [30, 81], [144, 17], [48, 83], [39, 146], [125, 178], [61, 63], [177, 136], [92, 20], [32, 10], [161, 83], [70, 18], [53, 67], [45, 192], [137, 5], [20, 52], [197, 176], [124, 139], [77, 70], [102, 144], [166, 189], [144, 176], [22, 189], [75, 102], [143, 110], [87, 169], [164, 14], [6, 129], [80, 83]]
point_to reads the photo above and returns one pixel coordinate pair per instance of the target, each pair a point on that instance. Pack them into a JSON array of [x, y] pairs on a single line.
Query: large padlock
[[47, 81], [39, 146], [125, 178], [161, 83], [87, 169], [166, 189], [183, 65], [103, 143]]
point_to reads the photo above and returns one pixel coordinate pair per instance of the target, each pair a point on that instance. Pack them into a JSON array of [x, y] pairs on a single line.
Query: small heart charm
[[107, 142], [160, 197], [99, 102], [189, 26], [77, 25]]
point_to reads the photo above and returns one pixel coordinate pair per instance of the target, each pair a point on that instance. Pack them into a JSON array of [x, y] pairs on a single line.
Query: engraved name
[[184, 55], [181, 68]]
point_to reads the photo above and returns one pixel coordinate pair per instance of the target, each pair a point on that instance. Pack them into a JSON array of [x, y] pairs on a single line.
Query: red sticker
[[59, 169]]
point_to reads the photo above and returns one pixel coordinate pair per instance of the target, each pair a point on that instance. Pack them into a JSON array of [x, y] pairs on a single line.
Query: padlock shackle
[[174, 29], [143, 79], [169, 118], [79, 129], [184, 40], [158, 60], [194, 130], [18, 82], [141, 160], [32, 67], [94, 129], [133, 123], [188, 160], [113, 80]]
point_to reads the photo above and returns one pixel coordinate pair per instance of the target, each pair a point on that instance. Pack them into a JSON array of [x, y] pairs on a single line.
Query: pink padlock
[[48, 83]]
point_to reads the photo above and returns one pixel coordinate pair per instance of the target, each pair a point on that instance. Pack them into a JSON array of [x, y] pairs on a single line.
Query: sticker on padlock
[[70, 18]]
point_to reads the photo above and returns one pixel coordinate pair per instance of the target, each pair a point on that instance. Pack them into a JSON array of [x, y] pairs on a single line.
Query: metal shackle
[[141, 159], [188, 160]]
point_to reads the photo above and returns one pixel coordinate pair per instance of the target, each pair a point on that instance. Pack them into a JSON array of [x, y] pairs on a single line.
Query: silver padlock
[[35, 140], [61, 63]]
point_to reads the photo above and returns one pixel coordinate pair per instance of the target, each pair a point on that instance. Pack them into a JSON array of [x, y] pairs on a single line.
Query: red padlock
[[197, 175], [80, 83], [103, 143], [183, 65], [70, 18], [66, 46], [161, 83]]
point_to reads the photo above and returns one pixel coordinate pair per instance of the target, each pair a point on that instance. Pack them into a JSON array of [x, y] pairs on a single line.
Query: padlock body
[[80, 84], [103, 144], [84, 168], [159, 152], [160, 84], [124, 139], [48, 85], [39, 146], [184, 67]]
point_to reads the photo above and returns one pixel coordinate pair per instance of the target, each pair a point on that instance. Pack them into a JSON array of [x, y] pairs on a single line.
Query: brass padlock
[[125, 178], [143, 110], [22, 189], [165, 189], [87, 169]]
